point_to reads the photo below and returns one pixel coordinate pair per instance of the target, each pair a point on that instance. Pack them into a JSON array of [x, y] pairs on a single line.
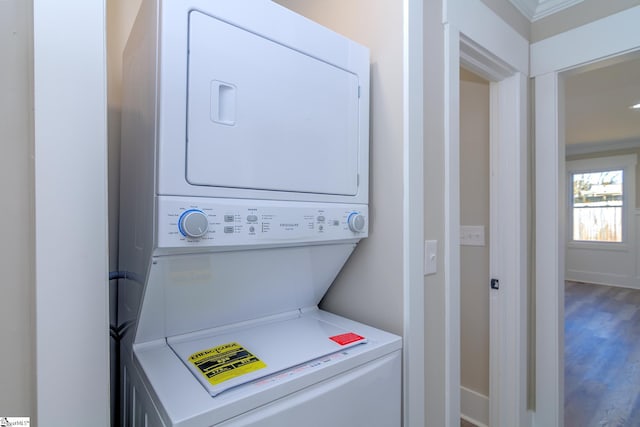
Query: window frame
[[626, 163]]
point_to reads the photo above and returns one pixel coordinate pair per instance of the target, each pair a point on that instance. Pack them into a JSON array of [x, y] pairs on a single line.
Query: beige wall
[[17, 291], [575, 16], [369, 288], [434, 222], [512, 16], [474, 210]]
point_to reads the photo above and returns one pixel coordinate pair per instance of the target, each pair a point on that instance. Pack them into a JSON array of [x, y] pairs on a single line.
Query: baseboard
[[609, 279], [474, 407]]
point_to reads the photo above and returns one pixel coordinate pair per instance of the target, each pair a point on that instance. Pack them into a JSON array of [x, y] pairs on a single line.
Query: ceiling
[[597, 104]]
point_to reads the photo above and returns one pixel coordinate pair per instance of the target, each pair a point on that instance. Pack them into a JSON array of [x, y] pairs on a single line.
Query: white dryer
[[244, 190]]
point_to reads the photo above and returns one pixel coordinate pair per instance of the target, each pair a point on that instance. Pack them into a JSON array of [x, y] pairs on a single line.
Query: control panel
[[185, 222]]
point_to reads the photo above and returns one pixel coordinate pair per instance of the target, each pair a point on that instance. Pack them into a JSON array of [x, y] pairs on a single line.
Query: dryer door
[[264, 116]]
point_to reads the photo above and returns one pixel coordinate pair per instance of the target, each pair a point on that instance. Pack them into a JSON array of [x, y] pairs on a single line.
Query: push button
[[252, 218]]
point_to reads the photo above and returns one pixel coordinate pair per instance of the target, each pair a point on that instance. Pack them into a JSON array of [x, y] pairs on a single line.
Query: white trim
[[479, 23], [474, 407], [452, 224], [509, 252], [550, 251], [610, 36], [473, 31], [475, 58], [537, 9], [549, 7], [603, 39], [526, 7], [71, 238], [607, 279], [413, 218], [598, 147], [496, 298], [626, 163]]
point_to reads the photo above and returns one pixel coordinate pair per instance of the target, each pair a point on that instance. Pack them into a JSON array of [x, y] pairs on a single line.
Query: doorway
[[475, 247], [508, 136], [608, 38], [602, 287]]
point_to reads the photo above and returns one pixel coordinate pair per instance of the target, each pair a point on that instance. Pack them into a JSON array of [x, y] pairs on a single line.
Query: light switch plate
[[472, 235], [430, 257]]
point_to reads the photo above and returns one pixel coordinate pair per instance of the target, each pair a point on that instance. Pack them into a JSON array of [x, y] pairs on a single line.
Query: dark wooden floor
[[602, 356], [464, 423]]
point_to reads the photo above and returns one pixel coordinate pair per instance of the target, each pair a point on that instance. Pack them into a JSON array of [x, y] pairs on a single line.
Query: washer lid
[[230, 359], [263, 116]]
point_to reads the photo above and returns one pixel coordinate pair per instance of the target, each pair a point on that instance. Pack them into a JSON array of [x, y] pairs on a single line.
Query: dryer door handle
[[223, 103]]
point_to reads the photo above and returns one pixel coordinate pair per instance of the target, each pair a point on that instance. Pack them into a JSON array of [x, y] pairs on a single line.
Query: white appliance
[[244, 190]]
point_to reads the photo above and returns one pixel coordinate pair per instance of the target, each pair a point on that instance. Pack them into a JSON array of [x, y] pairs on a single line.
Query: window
[[597, 206], [601, 191]]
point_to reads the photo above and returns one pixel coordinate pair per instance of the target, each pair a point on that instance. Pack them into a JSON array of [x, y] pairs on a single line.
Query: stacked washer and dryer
[[244, 190]]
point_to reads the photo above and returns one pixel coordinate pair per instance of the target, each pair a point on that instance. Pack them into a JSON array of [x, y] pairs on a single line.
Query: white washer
[[244, 190]]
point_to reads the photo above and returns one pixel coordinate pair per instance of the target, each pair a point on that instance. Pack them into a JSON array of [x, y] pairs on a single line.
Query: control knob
[[356, 222], [193, 223]]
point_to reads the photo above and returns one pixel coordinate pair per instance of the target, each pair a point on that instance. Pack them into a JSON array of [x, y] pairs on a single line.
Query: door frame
[[413, 372], [71, 213], [484, 43], [606, 39]]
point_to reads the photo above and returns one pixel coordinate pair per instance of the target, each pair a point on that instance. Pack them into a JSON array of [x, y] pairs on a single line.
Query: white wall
[[17, 337], [369, 288], [474, 210]]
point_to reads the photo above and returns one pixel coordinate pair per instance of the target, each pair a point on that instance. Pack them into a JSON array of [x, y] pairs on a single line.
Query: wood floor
[[602, 356]]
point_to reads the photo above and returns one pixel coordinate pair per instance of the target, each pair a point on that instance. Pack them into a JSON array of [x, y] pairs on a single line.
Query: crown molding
[[537, 9]]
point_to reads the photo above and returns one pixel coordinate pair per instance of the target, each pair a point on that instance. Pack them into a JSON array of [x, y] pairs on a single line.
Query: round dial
[[356, 222], [193, 223]]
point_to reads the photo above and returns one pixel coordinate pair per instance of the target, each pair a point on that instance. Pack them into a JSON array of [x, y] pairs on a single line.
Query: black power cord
[[117, 333]]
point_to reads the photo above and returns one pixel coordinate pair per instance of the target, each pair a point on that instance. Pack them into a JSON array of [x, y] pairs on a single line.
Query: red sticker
[[347, 338]]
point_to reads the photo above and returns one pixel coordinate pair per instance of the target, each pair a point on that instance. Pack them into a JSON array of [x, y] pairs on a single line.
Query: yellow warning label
[[224, 362]]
